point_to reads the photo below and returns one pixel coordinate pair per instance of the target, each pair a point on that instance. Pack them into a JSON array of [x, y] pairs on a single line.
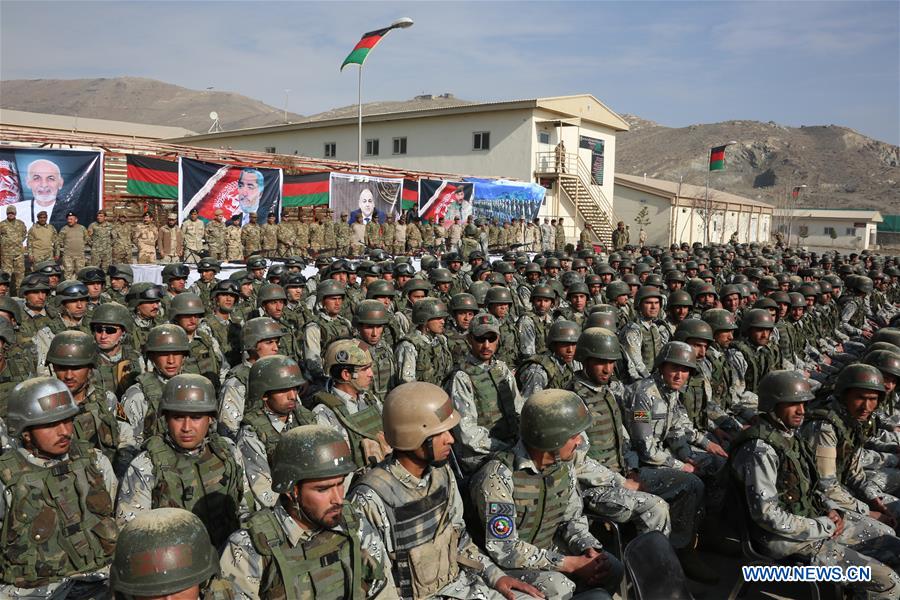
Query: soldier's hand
[[579, 567], [688, 468], [507, 586], [716, 449], [838, 521]]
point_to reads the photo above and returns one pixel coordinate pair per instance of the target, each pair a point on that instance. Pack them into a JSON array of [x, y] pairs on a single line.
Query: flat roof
[[831, 213], [21, 118], [437, 106], [671, 189]]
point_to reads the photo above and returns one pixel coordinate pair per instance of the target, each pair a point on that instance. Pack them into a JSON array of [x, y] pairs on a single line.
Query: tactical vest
[[720, 378], [540, 500], [202, 359], [695, 400], [797, 474], [327, 567], [59, 521], [757, 363], [858, 320], [433, 360], [508, 348], [849, 435], [331, 329], [209, 484], [651, 342], [362, 427], [424, 559], [605, 432], [153, 390], [116, 376], [557, 377], [258, 420], [17, 370], [383, 369], [467, 246], [97, 425], [457, 343], [541, 328], [494, 401]]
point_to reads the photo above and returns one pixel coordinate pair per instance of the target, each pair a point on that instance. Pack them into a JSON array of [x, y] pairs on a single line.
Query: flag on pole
[[361, 50], [795, 193], [717, 158]]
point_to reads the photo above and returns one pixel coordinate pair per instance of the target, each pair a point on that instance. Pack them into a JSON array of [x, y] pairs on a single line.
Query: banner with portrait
[[439, 198], [371, 197], [505, 200], [53, 181], [233, 189], [596, 146]]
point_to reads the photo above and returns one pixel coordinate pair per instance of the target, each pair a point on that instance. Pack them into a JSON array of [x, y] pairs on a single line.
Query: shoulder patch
[[500, 508], [500, 527], [641, 416]]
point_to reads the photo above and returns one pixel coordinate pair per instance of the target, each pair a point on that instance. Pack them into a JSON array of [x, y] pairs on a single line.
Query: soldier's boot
[[695, 566]]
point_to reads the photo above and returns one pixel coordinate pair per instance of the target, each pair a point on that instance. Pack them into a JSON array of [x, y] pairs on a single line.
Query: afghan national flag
[[361, 50], [305, 190], [410, 194], [795, 193], [10, 182], [152, 177], [717, 158]]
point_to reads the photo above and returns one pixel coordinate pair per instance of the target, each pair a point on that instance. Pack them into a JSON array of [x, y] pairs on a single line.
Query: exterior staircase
[[575, 181]]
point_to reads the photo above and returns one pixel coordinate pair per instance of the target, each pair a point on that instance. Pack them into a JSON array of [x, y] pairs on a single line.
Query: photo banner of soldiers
[[234, 189], [505, 200], [448, 199], [371, 197], [55, 181]]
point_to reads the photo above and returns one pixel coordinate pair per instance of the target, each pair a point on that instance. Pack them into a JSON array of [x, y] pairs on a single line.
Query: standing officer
[[342, 236], [72, 245], [269, 236], [251, 237], [41, 242], [122, 236], [234, 251], [100, 234], [145, 236], [192, 231], [214, 235], [171, 240], [12, 240]]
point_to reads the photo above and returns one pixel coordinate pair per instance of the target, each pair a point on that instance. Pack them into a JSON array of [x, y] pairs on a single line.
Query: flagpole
[[359, 121], [707, 219]]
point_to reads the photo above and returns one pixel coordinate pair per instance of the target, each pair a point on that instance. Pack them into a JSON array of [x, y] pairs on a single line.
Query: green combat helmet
[[72, 349], [167, 338], [427, 309], [258, 329], [676, 353], [269, 292], [885, 361], [112, 313], [597, 342], [380, 287], [185, 304], [599, 318], [309, 452], [162, 551], [38, 401], [563, 331], [693, 329], [720, 319], [272, 373], [859, 377], [782, 387], [330, 287], [499, 295], [758, 318], [463, 301], [189, 393], [551, 417], [350, 354], [370, 312]]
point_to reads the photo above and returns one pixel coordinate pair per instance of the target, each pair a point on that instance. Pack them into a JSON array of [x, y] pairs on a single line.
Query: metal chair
[[654, 570]]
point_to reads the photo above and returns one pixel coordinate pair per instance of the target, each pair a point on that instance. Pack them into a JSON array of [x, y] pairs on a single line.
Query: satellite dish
[[214, 115]]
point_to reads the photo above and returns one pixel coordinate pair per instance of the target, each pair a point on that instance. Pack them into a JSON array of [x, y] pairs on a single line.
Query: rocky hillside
[[138, 100], [840, 167]]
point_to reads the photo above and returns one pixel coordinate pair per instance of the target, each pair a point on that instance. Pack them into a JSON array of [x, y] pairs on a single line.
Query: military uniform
[[301, 238], [545, 371], [140, 404], [373, 234], [72, 248], [145, 237], [122, 235], [170, 244], [251, 239], [101, 241], [234, 249], [413, 237], [317, 334], [400, 230], [41, 243], [316, 238], [214, 234], [533, 330], [641, 342], [12, 257], [342, 237], [269, 239], [329, 242], [754, 362], [192, 234], [423, 357], [357, 419]]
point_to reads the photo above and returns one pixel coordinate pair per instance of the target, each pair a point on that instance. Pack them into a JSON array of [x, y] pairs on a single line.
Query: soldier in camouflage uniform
[[400, 230], [551, 548], [118, 363], [423, 355], [72, 245], [94, 279], [223, 324], [271, 302], [389, 233], [144, 304], [374, 237], [755, 355], [270, 556], [12, 241], [145, 236], [122, 240], [259, 339], [463, 309], [499, 301], [326, 325], [301, 236], [728, 386], [15, 365], [58, 545], [41, 242], [121, 276], [207, 268], [100, 236], [533, 325], [418, 418], [342, 236], [485, 393], [188, 455], [205, 354], [370, 321], [73, 297], [789, 512], [251, 237], [329, 241], [269, 237], [234, 250], [275, 386], [427, 230], [643, 338], [413, 237], [316, 235], [193, 232], [214, 236], [553, 369]]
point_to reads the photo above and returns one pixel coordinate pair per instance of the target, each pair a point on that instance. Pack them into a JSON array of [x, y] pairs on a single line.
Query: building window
[[829, 231], [330, 149], [851, 231], [372, 147], [270, 149], [543, 137], [481, 140], [400, 145]]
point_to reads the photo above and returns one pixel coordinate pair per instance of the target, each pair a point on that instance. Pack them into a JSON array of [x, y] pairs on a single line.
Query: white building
[[677, 212], [515, 140], [827, 228]]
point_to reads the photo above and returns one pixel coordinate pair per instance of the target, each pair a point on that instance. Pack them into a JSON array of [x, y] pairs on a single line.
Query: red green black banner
[[717, 158], [152, 177], [361, 50], [305, 190], [409, 198]]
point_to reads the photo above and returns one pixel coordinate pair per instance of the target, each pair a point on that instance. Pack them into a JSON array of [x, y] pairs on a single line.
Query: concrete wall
[[629, 202], [848, 236]]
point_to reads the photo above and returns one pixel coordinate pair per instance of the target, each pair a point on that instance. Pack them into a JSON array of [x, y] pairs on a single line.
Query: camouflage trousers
[[101, 257], [15, 266], [71, 265], [621, 505], [556, 585], [122, 255], [864, 542], [191, 256], [216, 253], [886, 478], [68, 589]]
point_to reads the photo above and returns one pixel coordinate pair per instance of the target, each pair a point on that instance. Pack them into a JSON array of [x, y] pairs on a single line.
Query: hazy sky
[[677, 63]]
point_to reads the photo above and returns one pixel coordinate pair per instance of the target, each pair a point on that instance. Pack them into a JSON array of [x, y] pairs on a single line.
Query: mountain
[[840, 167], [139, 100]]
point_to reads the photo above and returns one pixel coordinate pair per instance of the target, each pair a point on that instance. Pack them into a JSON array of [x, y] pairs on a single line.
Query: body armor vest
[[18, 369], [720, 377], [60, 519], [849, 434], [327, 567], [425, 542], [605, 431], [153, 390], [540, 500], [797, 474], [858, 319], [362, 427], [457, 343], [116, 376], [209, 484], [758, 363], [508, 348], [383, 368], [433, 359], [540, 334], [97, 425], [695, 400], [494, 401], [651, 342], [557, 377], [202, 359], [258, 420], [331, 329]]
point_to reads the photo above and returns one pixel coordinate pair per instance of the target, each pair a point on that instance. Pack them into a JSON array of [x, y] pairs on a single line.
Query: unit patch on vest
[[641, 416], [500, 527], [501, 508]]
